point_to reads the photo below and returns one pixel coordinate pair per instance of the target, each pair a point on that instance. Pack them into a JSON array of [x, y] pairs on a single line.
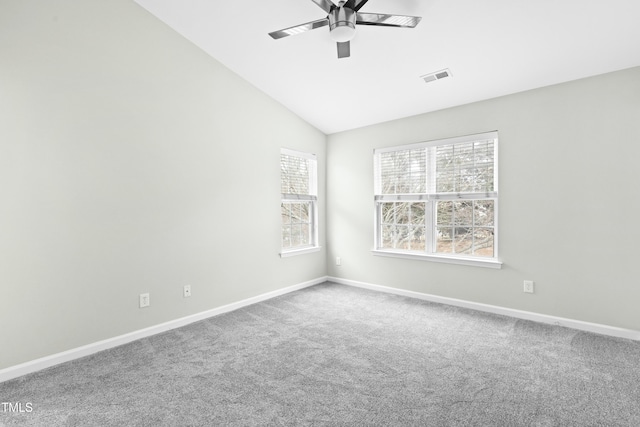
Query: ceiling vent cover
[[431, 77]]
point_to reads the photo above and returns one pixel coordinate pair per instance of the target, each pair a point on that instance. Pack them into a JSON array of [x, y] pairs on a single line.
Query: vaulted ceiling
[[491, 47]]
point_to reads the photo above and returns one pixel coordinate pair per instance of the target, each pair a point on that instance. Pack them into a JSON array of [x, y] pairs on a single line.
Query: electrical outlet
[[338, 260], [144, 300], [528, 286], [186, 291]]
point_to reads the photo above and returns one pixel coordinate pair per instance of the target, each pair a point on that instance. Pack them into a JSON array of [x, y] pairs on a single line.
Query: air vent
[[431, 77]]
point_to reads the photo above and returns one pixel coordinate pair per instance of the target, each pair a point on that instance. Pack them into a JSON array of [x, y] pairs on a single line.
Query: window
[[438, 200], [298, 207]]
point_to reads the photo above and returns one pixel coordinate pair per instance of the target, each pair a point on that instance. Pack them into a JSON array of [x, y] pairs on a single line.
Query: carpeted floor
[[337, 355]]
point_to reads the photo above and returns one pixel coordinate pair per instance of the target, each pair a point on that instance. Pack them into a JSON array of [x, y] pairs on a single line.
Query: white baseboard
[[519, 314], [86, 350]]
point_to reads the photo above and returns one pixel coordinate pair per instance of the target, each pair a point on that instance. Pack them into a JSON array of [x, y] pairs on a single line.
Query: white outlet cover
[[528, 286], [144, 300]]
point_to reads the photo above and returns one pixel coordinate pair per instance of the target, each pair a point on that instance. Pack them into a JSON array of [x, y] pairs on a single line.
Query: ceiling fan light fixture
[[342, 17], [343, 33], [342, 24]]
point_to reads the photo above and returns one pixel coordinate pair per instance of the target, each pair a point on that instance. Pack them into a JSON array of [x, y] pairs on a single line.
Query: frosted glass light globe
[[343, 33]]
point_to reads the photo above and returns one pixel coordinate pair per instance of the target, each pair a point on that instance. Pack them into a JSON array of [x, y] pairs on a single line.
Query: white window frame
[[430, 197], [311, 198]]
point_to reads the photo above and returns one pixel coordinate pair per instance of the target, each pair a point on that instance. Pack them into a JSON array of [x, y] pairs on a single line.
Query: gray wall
[[569, 205], [118, 141], [130, 162]]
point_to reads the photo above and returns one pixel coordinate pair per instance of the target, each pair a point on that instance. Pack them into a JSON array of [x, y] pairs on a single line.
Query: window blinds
[[452, 167], [297, 175]]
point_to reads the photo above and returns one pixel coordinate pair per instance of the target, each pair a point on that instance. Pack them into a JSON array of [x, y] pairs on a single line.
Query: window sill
[[300, 251], [476, 262]]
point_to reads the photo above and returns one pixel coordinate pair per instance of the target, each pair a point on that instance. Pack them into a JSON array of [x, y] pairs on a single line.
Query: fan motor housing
[[342, 24]]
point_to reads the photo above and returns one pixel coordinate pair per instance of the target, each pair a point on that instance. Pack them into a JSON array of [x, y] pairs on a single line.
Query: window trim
[[300, 251], [312, 198], [461, 260], [430, 199]]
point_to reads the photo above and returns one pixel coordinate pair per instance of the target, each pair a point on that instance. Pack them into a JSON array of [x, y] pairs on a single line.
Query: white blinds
[[403, 171], [297, 175], [458, 166], [465, 167]]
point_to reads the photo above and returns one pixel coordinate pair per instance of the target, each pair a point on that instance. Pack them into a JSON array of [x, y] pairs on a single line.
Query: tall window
[[298, 178], [438, 199]]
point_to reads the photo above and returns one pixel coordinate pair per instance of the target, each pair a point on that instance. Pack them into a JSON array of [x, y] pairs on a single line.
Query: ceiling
[[491, 47]]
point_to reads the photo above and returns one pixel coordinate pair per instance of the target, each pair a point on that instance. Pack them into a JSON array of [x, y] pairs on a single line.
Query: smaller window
[[298, 204]]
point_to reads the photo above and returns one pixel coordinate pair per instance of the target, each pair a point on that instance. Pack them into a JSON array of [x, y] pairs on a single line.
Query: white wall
[[569, 201], [130, 162]]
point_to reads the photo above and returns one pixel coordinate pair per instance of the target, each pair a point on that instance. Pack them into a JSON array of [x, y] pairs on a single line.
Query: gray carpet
[[337, 355]]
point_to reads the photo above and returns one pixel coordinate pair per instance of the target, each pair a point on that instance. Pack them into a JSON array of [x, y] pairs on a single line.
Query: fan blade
[[355, 5], [326, 5], [344, 49], [291, 31], [385, 20]]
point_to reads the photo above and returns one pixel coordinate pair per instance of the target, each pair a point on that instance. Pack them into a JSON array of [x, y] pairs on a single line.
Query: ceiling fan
[[342, 19]]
